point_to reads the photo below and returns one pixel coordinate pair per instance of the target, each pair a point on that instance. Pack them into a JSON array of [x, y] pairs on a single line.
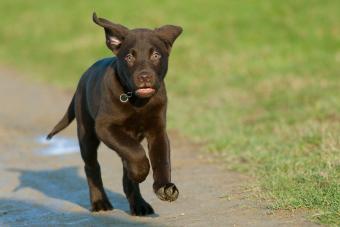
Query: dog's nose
[[144, 78]]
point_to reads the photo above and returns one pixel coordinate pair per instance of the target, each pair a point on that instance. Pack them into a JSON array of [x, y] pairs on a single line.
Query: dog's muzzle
[[145, 92]]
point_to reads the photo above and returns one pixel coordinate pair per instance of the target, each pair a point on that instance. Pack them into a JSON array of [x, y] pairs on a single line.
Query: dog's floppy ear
[[114, 33], [168, 34]]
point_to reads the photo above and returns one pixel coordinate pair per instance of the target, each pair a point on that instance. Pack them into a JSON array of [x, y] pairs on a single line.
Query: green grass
[[257, 81]]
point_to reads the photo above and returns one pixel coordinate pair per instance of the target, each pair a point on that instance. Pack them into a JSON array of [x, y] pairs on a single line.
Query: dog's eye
[[129, 58], [155, 55]]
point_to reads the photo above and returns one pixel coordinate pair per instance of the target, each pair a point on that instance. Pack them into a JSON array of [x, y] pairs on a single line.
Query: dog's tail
[[64, 122]]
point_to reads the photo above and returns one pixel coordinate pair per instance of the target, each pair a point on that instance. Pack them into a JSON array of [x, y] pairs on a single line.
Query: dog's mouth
[[145, 92]]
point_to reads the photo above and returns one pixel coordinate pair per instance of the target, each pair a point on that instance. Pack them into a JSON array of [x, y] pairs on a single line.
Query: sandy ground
[[39, 188]]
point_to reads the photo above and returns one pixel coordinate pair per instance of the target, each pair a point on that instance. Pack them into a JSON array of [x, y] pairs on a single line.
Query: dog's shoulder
[[104, 62], [101, 66], [97, 70]]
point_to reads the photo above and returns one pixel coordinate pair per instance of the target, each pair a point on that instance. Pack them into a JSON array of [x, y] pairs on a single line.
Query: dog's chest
[[136, 125]]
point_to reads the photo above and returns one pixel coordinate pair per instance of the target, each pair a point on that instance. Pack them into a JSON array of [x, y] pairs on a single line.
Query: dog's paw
[[168, 192], [141, 208], [100, 205]]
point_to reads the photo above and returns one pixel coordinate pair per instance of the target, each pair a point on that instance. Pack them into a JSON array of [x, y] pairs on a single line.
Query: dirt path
[[40, 188]]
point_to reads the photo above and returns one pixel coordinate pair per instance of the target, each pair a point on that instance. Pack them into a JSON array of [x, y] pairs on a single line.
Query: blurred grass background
[[256, 81]]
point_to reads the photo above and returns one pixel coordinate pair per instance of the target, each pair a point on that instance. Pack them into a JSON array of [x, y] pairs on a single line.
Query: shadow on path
[[65, 184], [24, 213]]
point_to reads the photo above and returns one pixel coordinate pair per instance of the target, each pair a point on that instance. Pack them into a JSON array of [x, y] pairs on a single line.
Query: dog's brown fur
[[140, 65]]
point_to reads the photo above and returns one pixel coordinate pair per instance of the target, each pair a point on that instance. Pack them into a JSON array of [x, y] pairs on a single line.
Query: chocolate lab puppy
[[120, 101]]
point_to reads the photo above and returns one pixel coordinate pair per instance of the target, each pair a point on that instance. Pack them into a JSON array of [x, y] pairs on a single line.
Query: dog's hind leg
[[138, 206], [89, 143]]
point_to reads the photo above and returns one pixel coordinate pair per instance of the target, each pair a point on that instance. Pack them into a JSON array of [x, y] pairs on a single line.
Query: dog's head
[[142, 54]]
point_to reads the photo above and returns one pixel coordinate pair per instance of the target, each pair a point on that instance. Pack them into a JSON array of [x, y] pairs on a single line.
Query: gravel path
[[43, 184]]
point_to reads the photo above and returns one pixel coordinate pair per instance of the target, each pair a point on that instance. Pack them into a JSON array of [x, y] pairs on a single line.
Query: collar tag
[[125, 97]]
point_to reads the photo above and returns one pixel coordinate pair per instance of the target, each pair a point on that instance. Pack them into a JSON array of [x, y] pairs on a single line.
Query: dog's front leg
[[159, 152], [129, 149], [136, 164]]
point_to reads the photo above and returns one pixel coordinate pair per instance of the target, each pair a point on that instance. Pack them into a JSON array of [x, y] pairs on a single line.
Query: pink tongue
[[145, 91]]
